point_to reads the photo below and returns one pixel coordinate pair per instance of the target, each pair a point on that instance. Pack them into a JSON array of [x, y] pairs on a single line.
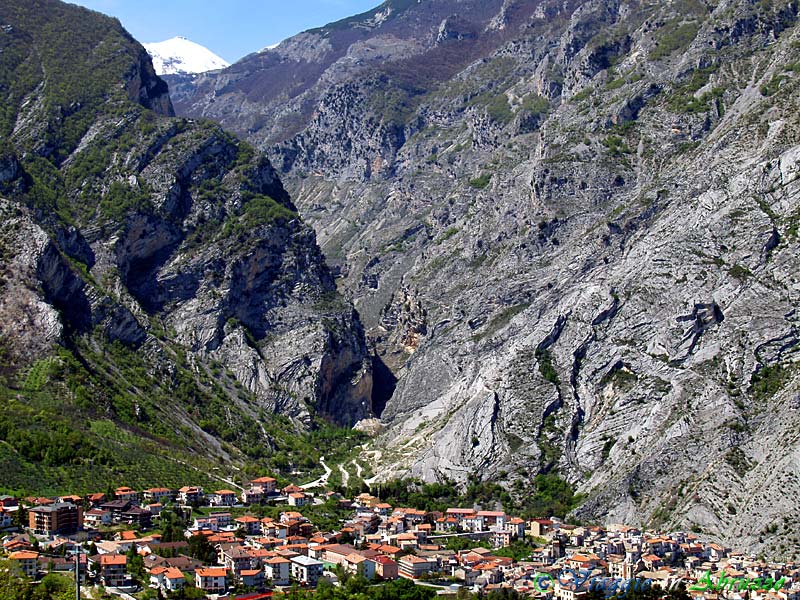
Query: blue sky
[[230, 28]]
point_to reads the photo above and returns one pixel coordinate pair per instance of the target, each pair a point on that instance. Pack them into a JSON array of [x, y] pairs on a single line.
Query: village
[[161, 542]]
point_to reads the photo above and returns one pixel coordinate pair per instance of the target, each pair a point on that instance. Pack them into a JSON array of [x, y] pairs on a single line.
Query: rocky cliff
[[571, 230], [155, 271]]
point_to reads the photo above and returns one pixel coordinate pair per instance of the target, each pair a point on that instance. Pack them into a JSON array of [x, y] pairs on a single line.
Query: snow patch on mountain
[[180, 56]]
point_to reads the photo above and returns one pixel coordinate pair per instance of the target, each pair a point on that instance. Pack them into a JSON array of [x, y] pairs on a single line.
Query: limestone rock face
[[572, 238], [122, 224]]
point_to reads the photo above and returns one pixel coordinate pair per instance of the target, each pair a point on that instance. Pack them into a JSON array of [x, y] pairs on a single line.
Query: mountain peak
[[180, 55]]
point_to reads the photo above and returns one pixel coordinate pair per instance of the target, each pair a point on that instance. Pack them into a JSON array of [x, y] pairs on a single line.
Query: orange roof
[[23, 555], [264, 480], [113, 559], [225, 493], [212, 572], [173, 573], [278, 560], [250, 572], [355, 558], [413, 559], [246, 519], [158, 570], [583, 558], [297, 495], [158, 490], [651, 557], [128, 536], [124, 490]]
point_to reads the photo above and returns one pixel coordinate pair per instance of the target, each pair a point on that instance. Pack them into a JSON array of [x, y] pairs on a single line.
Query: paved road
[[322, 481]]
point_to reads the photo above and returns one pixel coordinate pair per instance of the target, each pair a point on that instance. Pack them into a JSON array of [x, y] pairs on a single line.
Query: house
[[517, 527], [335, 554], [173, 580], [385, 568], [213, 581], [413, 567], [138, 517], [360, 565], [272, 529], [298, 499], [71, 499], [113, 569], [236, 559], [306, 571], [126, 493], [224, 519], [8, 502], [6, 519], [41, 501], [383, 509], [190, 494], [96, 499], [716, 552], [570, 591], [222, 498], [474, 523], [277, 570], [27, 561], [263, 485], [116, 508], [97, 517], [158, 495], [540, 527], [157, 576], [250, 525], [60, 518], [126, 536], [493, 518], [652, 562], [252, 497], [252, 578], [291, 489], [501, 538], [460, 514]]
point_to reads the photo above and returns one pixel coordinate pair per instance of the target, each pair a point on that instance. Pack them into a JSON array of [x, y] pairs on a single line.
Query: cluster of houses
[[377, 541]]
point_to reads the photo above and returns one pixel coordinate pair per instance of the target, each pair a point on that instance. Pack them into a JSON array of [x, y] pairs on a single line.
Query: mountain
[[571, 231], [167, 317], [179, 56]]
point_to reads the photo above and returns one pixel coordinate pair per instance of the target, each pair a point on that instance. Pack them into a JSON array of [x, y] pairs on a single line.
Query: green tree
[[201, 549]]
